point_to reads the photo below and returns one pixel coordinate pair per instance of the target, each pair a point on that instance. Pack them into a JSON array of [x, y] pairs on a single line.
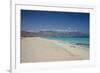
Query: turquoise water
[[78, 40]]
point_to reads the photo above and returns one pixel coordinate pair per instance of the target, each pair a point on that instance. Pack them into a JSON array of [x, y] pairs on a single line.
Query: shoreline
[[38, 49]]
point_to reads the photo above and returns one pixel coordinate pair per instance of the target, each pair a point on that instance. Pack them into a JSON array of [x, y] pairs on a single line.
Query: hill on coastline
[[50, 34]]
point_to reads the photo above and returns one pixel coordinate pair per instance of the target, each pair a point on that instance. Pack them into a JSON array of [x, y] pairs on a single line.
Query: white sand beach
[[37, 49]]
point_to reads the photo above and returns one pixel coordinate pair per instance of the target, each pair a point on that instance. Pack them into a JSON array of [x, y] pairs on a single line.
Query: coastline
[[37, 49]]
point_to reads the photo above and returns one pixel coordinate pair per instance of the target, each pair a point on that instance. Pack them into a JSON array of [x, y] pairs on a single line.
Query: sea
[[76, 40]]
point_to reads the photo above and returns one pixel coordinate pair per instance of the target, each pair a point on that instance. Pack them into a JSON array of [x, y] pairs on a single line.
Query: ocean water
[[77, 40]]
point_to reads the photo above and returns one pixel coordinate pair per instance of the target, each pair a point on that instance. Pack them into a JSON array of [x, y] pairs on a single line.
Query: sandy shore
[[36, 49]]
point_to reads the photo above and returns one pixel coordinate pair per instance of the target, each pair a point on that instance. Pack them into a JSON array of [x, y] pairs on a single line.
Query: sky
[[34, 21]]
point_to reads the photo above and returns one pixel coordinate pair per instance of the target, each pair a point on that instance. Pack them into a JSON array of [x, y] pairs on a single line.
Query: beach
[[38, 49]]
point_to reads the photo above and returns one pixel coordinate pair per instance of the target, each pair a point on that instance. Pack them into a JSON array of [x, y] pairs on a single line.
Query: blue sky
[[34, 21]]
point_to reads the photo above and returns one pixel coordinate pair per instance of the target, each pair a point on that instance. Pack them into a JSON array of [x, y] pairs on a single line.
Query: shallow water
[[77, 40]]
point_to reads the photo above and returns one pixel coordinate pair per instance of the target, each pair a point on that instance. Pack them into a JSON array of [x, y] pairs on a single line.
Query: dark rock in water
[[81, 44]]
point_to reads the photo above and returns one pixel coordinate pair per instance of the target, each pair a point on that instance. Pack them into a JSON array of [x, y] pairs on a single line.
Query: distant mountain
[[28, 34], [50, 33]]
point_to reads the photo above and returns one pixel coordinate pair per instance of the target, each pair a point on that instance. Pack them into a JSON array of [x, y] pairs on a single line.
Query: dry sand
[[37, 49]]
